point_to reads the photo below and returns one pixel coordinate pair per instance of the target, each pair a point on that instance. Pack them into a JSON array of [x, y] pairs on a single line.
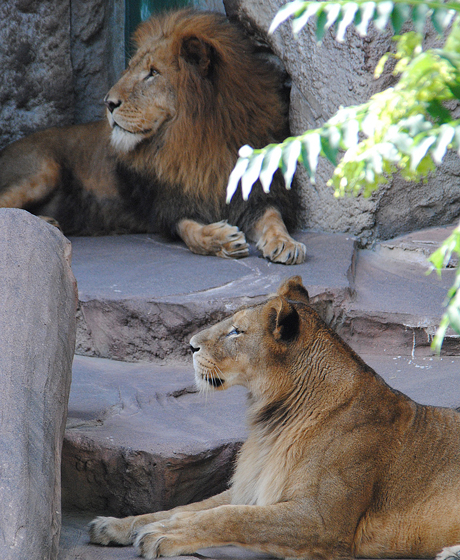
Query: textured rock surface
[[324, 77], [37, 340], [58, 61], [36, 89], [140, 438], [98, 54], [142, 298]]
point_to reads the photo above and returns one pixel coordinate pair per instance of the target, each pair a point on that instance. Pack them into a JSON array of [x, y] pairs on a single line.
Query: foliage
[[406, 128]]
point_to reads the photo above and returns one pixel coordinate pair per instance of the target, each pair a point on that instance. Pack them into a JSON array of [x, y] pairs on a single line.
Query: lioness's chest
[[262, 473]]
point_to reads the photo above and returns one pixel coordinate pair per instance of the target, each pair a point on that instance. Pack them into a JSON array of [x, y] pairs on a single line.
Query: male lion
[[193, 93], [337, 464]]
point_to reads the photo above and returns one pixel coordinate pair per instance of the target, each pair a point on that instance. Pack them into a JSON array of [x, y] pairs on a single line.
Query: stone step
[[140, 438], [142, 298]]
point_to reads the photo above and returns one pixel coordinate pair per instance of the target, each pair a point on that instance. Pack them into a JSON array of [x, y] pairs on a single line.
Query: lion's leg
[[107, 530], [279, 529], [272, 238], [220, 239], [31, 188]]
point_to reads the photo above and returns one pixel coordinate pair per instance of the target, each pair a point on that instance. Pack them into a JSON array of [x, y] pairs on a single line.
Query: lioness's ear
[[293, 289], [284, 320], [197, 53]]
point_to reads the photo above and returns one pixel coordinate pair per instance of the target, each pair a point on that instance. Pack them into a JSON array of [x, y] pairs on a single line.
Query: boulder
[[37, 340], [325, 76]]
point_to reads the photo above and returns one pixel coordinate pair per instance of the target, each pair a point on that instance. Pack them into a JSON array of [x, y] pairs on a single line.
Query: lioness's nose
[[111, 103], [194, 349]]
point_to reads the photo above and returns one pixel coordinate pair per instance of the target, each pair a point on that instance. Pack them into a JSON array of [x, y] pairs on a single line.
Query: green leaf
[[301, 21], [454, 87], [330, 142], [381, 65], [419, 13], [399, 15], [366, 13], [384, 10], [439, 113], [420, 150], [291, 154], [235, 176], [437, 259], [333, 12], [441, 19], [311, 148], [350, 131], [320, 25], [251, 174], [269, 166], [284, 13], [457, 139], [348, 14], [444, 139]]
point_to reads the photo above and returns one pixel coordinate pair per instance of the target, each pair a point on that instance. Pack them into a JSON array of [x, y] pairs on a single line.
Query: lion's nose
[[111, 104], [194, 349]]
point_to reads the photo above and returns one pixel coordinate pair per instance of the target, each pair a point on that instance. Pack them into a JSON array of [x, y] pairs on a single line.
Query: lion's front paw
[[225, 240], [158, 539], [282, 249], [110, 530]]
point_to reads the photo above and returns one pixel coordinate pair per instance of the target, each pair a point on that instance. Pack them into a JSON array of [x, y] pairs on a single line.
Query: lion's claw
[[283, 250]]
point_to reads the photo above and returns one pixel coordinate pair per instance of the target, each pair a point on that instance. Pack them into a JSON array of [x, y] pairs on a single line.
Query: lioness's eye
[[234, 332], [153, 72]]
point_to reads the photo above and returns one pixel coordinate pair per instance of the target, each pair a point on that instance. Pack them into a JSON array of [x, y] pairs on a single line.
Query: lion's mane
[[238, 102]]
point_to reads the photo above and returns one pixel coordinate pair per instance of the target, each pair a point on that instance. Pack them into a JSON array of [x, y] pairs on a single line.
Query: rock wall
[[325, 76], [36, 89], [60, 57], [37, 340], [58, 60]]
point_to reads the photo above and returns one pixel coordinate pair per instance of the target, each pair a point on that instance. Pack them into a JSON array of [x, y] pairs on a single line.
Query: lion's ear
[[293, 289], [198, 54], [284, 320]]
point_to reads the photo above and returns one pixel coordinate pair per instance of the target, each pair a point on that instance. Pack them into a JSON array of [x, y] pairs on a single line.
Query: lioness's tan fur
[[337, 464], [194, 92]]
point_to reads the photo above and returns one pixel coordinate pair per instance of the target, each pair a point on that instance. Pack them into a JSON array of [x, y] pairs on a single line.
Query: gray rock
[[58, 61], [37, 340], [98, 54], [140, 438], [324, 77], [36, 89], [142, 298]]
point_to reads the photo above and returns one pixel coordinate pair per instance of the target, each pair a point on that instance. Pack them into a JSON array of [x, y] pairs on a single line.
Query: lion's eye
[[234, 332], [152, 73]]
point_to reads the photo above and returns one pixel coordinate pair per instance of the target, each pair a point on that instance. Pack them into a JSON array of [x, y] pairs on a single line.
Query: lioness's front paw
[[283, 249], [110, 530], [225, 240], [155, 540]]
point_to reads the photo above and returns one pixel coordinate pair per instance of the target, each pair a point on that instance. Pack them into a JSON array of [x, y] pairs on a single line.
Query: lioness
[[193, 94], [337, 464]]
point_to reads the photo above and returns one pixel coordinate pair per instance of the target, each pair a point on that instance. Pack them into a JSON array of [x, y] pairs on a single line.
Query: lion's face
[[143, 100], [252, 347]]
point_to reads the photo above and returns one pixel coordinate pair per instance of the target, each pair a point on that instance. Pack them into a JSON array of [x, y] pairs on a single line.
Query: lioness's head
[[258, 345]]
